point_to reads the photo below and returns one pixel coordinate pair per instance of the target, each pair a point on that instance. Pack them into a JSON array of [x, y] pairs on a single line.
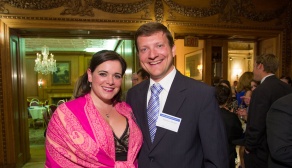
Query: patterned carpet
[[36, 136]]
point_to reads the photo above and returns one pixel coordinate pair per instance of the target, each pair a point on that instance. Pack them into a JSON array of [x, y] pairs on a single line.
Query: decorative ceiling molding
[[215, 7], [159, 10], [3, 9], [227, 10], [82, 7], [121, 8], [37, 4], [249, 11]]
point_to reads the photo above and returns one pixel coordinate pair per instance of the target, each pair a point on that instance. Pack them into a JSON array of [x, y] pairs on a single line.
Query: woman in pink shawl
[[96, 129]]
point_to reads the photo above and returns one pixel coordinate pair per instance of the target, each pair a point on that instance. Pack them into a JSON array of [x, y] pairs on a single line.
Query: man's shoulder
[[283, 101], [138, 88]]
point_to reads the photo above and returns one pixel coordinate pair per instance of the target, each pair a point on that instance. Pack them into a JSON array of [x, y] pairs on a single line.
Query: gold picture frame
[[194, 65], [63, 74]]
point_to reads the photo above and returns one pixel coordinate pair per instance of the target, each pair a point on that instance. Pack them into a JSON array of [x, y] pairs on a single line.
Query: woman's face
[[106, 80], [253, 85]]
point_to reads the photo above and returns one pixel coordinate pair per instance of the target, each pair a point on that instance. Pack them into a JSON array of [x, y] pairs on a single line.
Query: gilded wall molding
[[225, 26], [2, 117], [71, 19]]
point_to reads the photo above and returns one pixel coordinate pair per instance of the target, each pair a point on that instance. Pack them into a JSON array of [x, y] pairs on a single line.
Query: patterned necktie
[[153, 109]]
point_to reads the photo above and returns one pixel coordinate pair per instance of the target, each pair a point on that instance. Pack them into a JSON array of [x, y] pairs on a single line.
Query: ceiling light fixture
[[47, 65]]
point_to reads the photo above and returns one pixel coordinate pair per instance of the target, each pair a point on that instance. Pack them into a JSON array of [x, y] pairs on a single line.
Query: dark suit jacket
[[279, 133], [262, 98], [200, 140]]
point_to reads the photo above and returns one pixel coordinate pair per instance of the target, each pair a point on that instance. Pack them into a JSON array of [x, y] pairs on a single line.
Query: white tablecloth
[[37, 112]]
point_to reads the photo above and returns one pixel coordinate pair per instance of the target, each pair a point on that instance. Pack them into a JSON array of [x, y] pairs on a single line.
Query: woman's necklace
[[107, 114]]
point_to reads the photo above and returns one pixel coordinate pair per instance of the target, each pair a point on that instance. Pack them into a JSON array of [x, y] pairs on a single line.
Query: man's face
[[156, 56]]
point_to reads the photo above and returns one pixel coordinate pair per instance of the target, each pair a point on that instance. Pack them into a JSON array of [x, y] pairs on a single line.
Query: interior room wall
[[181, 51], [78, 64]]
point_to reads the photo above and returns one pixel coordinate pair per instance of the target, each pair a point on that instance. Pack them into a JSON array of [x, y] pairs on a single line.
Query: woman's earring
[[89, 84]]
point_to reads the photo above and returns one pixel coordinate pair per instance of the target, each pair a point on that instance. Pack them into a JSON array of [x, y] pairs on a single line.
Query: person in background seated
[[95, 129], [231, 121], [286, 79], [279, 133], [178, 116]]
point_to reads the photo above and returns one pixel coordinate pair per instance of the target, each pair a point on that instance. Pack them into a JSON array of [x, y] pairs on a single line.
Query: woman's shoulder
[[123, 106]]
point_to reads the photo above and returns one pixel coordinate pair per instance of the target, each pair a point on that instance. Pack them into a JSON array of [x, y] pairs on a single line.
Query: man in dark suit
[[189, 129], [271, 88], [279, 133]]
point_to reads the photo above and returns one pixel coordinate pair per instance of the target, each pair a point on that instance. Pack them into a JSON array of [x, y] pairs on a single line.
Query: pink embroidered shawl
[[78, 136]]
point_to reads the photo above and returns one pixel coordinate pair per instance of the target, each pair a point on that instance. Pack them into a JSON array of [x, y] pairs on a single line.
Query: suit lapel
[[173, 102]]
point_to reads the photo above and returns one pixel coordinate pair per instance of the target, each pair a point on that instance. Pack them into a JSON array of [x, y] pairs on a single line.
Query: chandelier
[[47, 65]]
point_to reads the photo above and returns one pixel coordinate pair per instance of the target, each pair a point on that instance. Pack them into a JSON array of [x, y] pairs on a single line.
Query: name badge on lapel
[[169, 122]]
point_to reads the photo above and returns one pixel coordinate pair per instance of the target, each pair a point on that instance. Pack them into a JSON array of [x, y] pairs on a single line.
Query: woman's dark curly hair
[[222, 94]]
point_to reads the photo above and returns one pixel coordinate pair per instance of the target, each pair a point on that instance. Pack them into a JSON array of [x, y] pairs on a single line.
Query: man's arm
[[212, 133]]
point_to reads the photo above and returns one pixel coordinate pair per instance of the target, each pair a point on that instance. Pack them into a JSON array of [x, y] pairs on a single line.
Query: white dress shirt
[[166, 84]]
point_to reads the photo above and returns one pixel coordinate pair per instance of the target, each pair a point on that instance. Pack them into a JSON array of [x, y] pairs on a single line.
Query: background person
[[142, 75], [242, 113], [279, 133], [271, 88], [234, 89], [231, 121], [134, 79], [183, 126], [244, 88], [286, 79], [95, 129]]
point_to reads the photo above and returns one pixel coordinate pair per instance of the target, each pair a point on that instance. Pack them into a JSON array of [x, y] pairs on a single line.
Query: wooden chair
[[51, 109], [60, 102], [47, 117], [34, 102]]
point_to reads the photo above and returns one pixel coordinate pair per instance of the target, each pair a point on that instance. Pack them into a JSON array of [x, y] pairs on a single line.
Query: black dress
[[234, 131], [121, 145]]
